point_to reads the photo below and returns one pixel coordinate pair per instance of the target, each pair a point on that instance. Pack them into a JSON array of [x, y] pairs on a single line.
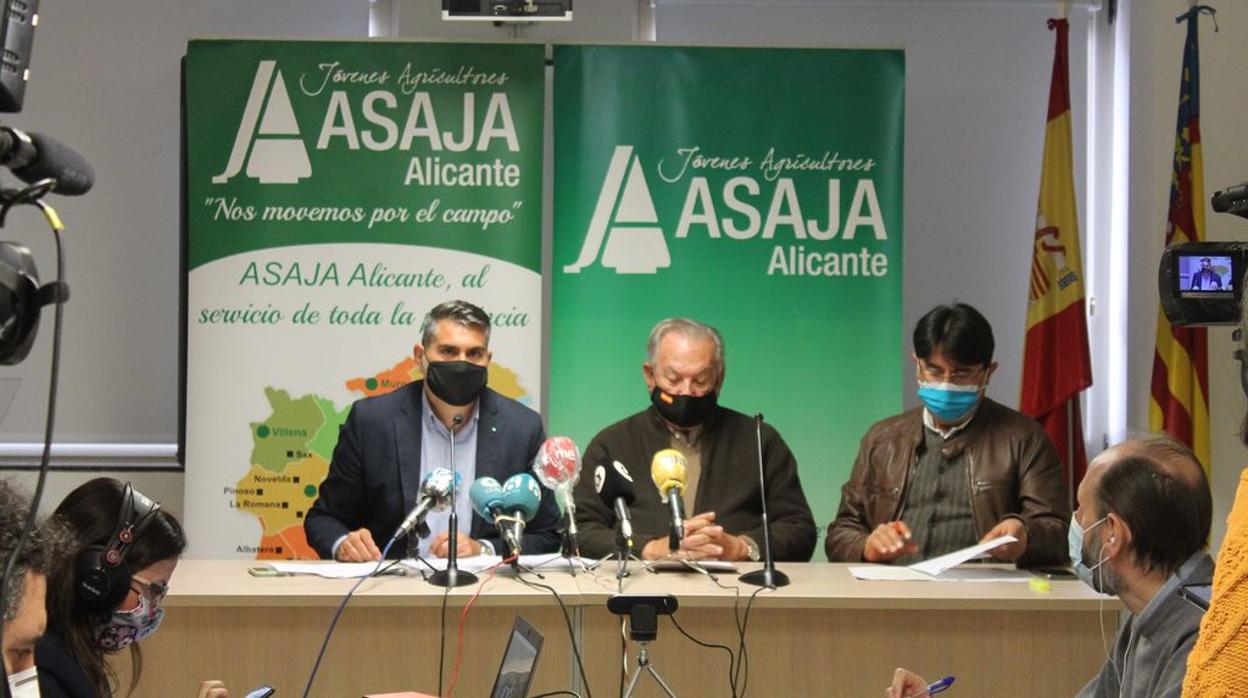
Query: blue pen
[[940, 686]]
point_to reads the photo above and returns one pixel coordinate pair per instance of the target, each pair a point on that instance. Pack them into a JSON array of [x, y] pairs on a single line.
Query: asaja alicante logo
[[624, 226], [371, 109], [268, 142], [791, 200]]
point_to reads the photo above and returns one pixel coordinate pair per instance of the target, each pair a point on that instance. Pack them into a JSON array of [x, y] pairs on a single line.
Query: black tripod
[[643, 627]]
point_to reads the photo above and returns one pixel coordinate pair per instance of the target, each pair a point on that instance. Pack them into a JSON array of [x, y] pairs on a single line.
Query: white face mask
[[124, 628], [24, 684]]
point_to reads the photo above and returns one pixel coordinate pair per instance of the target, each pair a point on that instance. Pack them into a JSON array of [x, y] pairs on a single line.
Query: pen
[[934, 688]]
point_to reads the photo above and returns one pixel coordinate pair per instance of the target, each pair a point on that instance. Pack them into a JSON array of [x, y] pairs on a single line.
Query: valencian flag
[[1056, 364], [1179, 403]]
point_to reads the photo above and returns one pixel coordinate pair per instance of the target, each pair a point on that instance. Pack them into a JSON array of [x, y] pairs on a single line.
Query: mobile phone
[[265, 571], [1198, 594], [263, 691], [1054, 572]]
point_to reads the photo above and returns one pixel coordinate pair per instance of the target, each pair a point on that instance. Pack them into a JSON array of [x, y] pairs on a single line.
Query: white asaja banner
[[282, 341]]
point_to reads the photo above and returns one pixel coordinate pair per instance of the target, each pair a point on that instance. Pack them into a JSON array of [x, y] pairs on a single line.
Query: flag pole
[[1070, 448]]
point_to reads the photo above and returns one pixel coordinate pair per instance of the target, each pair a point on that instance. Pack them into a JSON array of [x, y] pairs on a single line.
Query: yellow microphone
[[668, 470]]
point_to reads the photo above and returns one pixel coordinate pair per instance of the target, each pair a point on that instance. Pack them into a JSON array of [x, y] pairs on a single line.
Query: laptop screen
[[516, 672]]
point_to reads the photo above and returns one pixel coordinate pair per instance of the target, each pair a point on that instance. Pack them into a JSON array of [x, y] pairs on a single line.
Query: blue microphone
[[521, 498]]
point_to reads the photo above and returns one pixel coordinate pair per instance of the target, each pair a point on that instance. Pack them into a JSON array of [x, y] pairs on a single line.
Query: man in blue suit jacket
[[389, 442]]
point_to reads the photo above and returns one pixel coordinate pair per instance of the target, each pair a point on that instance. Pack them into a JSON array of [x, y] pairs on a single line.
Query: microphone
[[614, 486], [558, 463], [558, 467], [435, 495], [34, 156], [493, 502], [452, 576], [521, 496], [667, 469], [487, 498], [768, 576]]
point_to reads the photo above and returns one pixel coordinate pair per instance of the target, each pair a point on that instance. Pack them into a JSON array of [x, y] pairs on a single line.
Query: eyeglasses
[[937, 374], [156, 591]]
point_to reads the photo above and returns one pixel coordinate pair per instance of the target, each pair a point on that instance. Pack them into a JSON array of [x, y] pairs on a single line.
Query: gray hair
[[462, 312], [45, 543], [691, 329]]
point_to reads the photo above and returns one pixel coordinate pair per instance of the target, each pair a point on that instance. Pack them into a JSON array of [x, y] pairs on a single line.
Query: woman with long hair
[[107, 595]]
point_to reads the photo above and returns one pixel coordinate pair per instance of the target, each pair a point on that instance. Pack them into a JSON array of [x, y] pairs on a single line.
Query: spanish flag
[[1179, 403], [1056, 363]]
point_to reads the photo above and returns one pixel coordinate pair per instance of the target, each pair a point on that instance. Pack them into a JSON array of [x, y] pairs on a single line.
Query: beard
[[1104, 579]]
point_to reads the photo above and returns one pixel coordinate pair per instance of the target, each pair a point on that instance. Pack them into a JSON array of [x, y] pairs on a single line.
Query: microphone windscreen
[[56, 160], [437, 486], [521, 493], [558, 462], [667, 469], [487, 497], [613, 482]]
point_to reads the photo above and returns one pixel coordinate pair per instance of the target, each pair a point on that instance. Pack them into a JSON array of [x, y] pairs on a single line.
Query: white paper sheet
[[937, 565], [545, 562], [888, 573], [966, 573], [681, 566], [328, 570], [945, 568]]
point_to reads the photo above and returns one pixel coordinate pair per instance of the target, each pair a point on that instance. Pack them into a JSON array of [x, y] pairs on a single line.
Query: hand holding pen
[[907, 684], [888, 542]]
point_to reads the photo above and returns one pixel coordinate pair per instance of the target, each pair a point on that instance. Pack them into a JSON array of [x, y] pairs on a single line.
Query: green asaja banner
[[758, 190], [335, 192], [432, 144]]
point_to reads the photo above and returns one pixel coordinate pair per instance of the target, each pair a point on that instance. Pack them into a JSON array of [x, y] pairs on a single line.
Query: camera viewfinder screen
[[1205, 276]]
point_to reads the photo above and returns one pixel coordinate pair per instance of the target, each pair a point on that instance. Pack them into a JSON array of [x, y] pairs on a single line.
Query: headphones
[[21, 298], [101, 570]]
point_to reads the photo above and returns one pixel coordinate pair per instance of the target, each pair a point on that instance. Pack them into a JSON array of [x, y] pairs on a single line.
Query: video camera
[[1202, 283]]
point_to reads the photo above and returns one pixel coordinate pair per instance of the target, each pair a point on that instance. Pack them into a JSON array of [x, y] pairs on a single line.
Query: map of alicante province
[[292, 448]]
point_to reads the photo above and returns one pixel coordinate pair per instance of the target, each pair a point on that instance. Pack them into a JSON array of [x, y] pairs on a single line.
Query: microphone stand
[[769, 576], [452, 576], [568, 548], [515, 551], [623, 549]]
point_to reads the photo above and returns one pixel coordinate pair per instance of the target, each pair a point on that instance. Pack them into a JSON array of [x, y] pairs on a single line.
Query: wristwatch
[[751, 549]]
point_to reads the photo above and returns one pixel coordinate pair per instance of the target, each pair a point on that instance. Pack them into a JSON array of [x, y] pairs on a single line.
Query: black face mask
[[456, 383], [684, 410]]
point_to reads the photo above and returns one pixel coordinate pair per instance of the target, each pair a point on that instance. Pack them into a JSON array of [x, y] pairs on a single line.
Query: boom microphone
[[435, 495], [614, 486], [34, 156], [668, 470]]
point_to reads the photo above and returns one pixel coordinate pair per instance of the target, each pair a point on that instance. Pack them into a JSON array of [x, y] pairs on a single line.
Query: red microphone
[[558, 467], [558, 463]]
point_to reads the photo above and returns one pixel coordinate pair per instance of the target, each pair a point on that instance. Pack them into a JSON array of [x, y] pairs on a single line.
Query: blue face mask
[[949, 402], [1074, 542]]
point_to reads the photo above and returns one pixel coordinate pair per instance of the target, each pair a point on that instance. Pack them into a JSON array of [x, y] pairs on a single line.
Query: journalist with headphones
[[107, 596]]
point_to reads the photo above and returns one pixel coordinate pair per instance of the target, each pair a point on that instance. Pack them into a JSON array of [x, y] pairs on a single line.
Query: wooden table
[[826, 634]]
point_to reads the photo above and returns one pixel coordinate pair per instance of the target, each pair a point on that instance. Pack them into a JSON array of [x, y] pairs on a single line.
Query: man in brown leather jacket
[[956, 471]]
